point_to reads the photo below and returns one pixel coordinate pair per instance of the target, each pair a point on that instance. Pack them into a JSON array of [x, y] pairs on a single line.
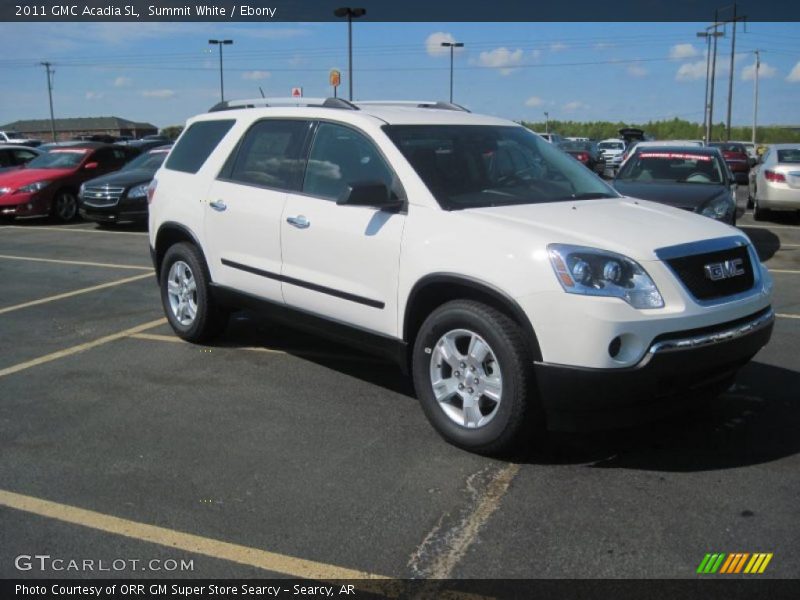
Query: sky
[[164, 73]]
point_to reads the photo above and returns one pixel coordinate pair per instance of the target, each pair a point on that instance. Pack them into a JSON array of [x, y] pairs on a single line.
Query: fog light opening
[[614, 347]]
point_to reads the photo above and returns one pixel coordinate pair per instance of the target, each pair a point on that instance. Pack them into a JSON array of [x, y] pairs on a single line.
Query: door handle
[[218, 205], [299, 221]]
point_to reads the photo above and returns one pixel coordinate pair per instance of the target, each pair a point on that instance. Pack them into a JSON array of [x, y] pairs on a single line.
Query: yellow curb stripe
[[94, 288], [254, 557], [80, 263], [80, 347], [764, 564]]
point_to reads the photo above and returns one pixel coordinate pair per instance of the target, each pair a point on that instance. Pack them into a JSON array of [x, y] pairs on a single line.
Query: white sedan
[[775, 182]]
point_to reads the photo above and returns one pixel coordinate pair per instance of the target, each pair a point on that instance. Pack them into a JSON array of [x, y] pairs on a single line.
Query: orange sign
[[335, 78]]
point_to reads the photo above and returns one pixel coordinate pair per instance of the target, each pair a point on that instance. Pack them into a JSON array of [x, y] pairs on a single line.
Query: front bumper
[[126, 210], [25, 204], [678, 369]]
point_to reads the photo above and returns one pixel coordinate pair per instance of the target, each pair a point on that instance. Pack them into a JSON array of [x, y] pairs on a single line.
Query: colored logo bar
[[736, 562]]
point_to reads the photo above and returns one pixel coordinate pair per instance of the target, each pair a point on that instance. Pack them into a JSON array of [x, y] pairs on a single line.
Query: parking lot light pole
[[755, 96], [350, 13], [452, 46], [221, 43]]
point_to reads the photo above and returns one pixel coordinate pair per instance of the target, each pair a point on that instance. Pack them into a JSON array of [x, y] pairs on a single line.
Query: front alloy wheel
[[466, 378], [65, 206]]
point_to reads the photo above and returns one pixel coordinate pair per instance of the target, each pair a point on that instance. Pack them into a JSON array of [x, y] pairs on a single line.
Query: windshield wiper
[[589, 196]]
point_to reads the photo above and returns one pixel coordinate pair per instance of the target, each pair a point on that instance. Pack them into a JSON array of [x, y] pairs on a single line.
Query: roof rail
[[264, 102], [441, 105]]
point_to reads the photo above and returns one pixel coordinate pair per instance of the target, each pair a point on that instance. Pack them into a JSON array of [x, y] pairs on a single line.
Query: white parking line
[[94, 288], [784, 271], [787, 316], [81, 263], [57, 229]]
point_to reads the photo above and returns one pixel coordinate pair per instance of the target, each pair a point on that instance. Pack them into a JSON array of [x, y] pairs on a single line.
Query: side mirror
[[90, 166], [369, 193]]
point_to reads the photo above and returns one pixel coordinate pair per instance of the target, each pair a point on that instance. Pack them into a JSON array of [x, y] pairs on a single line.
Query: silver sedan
[[775, 182]]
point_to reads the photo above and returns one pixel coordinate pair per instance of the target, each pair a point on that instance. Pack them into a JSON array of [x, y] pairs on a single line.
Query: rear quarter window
[[196, 145]]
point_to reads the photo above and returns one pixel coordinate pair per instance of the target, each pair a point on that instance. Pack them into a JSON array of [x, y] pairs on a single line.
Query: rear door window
[[271, 155], [196, 145]]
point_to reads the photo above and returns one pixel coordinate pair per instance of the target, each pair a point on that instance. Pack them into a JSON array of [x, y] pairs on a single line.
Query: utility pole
[[351, 13], [708, 69], [755, 96], [730, 75], [50, 72], [547, 122], [710, 126]]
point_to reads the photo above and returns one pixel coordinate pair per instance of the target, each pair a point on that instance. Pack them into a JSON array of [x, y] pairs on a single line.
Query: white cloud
[[122, 81], [94, 95], [534, 101], [536, 54], [255, 75], [794, 75], [501, 58], [765, 71], [637, 70], [558, 47], [158, 93], [433, 43], [691, 71], [603, 46], [574, 105], [680, 51]]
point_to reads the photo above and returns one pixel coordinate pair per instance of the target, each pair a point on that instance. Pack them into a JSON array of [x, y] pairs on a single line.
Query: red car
[[736, 158], [48, 185]]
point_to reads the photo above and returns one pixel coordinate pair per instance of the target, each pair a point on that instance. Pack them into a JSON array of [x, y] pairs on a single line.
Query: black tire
[[759, 214], [209, 320], [65, 206], [518, 418]]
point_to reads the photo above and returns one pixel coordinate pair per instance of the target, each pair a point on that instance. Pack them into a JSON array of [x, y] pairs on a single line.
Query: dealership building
[[67, 129]]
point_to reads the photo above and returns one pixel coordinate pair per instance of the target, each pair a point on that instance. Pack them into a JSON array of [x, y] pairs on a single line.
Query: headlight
[[593, 272], [33, 187], [719, 208], [138, 191]]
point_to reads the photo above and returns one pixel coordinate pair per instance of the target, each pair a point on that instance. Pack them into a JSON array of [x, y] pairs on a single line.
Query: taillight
[[151, 190], [774, 177], [583, 157]]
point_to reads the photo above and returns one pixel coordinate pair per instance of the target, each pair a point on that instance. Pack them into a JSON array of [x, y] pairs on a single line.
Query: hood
[[20, 177], [680, 195], [635, 228], [123, 178]]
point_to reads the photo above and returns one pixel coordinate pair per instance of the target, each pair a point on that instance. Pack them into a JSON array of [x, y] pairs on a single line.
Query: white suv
[[516, 286]]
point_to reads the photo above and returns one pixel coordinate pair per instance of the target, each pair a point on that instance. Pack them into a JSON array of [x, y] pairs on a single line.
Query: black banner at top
[[391, 10]]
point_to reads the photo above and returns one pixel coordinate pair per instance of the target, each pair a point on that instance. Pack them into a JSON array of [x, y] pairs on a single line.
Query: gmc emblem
[[724, 270]]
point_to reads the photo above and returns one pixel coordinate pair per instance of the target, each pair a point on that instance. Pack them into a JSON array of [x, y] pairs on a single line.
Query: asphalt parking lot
[[274, 453]]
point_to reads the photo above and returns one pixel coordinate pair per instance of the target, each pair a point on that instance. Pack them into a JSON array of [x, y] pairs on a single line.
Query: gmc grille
[[692, 273]]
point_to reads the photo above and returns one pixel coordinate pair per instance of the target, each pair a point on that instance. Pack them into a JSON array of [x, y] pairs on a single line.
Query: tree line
[[673, 129]]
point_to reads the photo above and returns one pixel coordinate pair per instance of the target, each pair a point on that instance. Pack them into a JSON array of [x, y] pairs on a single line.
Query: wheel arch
[[435, 289], [169, 234]]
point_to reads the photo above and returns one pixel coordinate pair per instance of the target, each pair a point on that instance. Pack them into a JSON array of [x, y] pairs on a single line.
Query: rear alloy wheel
[[472, 374], [65, 206], [185, 295]]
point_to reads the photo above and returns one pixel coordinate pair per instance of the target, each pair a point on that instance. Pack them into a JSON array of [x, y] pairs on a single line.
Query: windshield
[[150, 161], [577, 146], [671, 167], [790, 155], [58, 159], [473, 166], [611, 146]]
